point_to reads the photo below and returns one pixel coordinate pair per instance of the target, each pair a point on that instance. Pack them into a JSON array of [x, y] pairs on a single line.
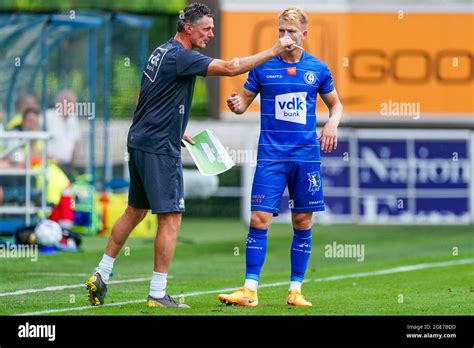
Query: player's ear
[[305, 34]]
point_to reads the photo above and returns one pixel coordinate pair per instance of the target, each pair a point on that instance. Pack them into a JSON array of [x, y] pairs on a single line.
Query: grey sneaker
[[166, 301], [97, 290]]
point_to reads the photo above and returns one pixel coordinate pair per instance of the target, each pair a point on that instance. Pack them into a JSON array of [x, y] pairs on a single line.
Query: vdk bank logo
[[291, 107], [154, 63]]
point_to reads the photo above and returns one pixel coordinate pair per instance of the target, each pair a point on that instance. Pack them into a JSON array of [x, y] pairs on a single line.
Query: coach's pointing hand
[[328, 136]]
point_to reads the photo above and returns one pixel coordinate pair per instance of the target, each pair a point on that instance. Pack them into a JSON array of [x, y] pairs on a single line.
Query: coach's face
[[296, 33], [201, 33]]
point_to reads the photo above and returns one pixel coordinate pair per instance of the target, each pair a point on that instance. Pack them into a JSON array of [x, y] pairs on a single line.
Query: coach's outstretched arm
[[237, 66]]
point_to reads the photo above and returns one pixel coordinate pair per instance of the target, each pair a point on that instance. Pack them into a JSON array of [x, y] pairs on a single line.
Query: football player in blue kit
[[288, 153]]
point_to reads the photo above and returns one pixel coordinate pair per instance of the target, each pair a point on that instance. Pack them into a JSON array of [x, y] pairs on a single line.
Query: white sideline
[[54, 274], [400, 269], [62, 287]]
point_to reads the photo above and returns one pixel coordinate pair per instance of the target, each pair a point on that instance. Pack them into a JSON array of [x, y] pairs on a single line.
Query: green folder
[[209, 154]]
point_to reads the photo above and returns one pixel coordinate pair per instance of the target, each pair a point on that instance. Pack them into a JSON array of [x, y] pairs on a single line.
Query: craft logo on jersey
[[310, 78], [274, 76], [291, 107], [314, 182], [154, 62]]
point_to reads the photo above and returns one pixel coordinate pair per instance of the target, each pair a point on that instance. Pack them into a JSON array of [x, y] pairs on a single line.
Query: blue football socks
[[300, 252], [255, 252]]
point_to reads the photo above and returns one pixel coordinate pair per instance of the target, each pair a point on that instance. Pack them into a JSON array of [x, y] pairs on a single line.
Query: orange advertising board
[[375, 58]]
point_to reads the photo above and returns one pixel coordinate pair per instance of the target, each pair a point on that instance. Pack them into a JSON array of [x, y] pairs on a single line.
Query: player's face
[[201, 33], [296, 33]]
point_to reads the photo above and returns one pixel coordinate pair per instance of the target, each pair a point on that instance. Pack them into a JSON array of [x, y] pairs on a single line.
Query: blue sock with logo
[[256, 249], [300, 252]]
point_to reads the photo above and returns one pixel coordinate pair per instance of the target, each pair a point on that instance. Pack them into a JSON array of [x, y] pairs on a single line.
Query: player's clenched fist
[[234, 103]]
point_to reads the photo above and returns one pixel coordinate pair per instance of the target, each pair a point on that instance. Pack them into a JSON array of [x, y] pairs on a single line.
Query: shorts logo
[[181, 203], [291, 107], [310, 78], [314, 179], [258, 198]]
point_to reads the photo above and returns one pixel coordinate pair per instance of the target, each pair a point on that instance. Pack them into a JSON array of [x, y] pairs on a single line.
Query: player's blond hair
[[295, 16]]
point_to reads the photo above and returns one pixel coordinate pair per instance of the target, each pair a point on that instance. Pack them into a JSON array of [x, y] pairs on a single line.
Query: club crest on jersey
[[314, 179], [310, 78], [291, 107]]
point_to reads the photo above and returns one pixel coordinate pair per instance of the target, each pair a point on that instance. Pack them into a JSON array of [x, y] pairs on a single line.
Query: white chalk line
[[400, 269], [63, 287], [58, 274]]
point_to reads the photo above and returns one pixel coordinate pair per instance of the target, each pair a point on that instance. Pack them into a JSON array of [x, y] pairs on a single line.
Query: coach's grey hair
[[192, 14]]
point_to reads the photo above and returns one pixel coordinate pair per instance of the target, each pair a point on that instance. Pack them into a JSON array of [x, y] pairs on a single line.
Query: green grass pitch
[[211, 256]]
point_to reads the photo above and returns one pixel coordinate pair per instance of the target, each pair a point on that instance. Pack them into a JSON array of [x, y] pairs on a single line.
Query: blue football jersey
[[288, 93]]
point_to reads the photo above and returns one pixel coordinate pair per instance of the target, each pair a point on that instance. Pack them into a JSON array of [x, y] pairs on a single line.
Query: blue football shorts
[[304, 186]]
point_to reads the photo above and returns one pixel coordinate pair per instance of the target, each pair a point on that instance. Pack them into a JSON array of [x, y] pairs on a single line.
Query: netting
[[96, 55]]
